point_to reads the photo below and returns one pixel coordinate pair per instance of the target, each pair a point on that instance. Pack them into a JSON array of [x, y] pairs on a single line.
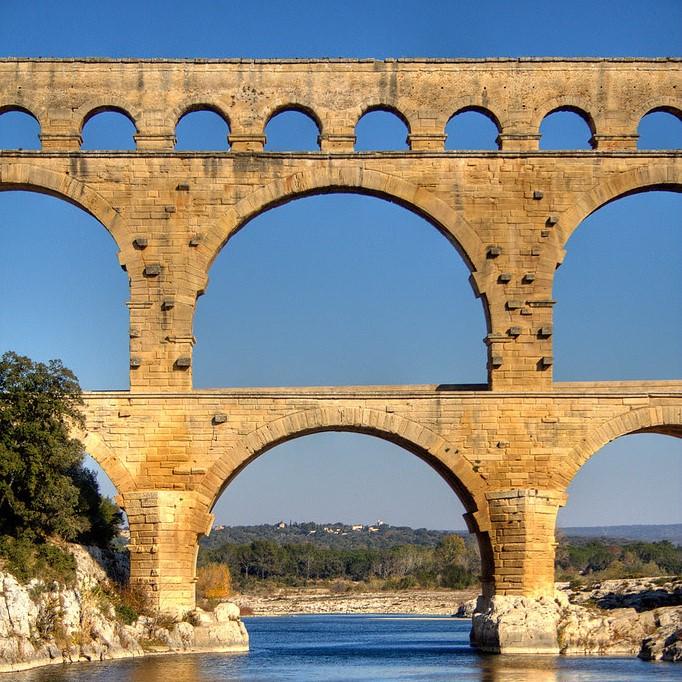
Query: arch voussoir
[[664, 175], [358, 179], [634, 421], [419, 439]]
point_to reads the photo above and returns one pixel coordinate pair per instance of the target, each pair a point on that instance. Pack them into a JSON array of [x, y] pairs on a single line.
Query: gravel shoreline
[[285, 602]]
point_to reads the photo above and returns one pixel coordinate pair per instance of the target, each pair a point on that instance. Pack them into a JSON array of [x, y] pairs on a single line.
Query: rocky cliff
[[51, 623]]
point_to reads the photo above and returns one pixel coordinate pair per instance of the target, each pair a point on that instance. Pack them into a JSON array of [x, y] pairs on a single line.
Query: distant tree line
[[452, 563], [335, 535], [611, 559]]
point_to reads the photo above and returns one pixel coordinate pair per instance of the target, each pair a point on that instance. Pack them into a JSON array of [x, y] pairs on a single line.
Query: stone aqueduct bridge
[[508, 449]]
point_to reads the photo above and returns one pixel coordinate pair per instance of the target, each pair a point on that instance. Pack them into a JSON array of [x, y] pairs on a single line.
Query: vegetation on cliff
[[46, 493]]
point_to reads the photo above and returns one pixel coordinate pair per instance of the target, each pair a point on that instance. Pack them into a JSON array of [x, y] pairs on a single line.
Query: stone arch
[[92, 111], [574, 104], [440, 454], [665, 420], [668, 105], [120, 476], [660, 176], [7, 108], [182, 110], [330, 179], [477, 109], [297, 107], [21, 176], [17, 108], [386, 108]]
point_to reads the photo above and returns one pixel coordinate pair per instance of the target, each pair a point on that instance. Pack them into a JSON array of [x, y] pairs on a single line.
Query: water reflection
[[519, 669]]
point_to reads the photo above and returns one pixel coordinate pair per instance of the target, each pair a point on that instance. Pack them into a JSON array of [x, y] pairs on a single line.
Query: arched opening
[[345, 507], [108, 129], [110, 493], [472, 128], [617, 522], [338, 289], [381, 130], [202, 129], [566, 128], [292, 130], [619, 292], [660, 129], [64, 294], [19, 129]]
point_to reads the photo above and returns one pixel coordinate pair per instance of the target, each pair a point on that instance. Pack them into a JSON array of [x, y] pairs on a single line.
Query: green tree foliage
[[45, 491], [296, 564], [611, 559]]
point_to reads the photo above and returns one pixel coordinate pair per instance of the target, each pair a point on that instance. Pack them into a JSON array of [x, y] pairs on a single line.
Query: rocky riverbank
[[613, 618], [45, 624]]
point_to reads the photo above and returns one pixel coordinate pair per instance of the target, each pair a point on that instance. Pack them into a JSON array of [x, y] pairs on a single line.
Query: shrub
[[213, 582], [27, 560], [131, 602]]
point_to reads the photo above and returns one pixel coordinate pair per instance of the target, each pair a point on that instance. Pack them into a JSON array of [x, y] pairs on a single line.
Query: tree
[[44, 488]]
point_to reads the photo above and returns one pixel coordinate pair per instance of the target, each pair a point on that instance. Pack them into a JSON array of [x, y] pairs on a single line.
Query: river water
[[352, 648]]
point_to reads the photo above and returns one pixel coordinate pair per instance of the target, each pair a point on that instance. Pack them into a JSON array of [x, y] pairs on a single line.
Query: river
[[357, 647]]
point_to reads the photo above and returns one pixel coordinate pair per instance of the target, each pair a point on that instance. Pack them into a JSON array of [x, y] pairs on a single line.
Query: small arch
[[19, 128], [108, 128], [202, 127], [660, 128], [567, 127], [293, 128], [382, 128], [473, 127]]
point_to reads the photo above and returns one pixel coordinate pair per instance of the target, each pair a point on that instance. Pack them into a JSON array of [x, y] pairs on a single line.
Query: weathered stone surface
[[516, 625]]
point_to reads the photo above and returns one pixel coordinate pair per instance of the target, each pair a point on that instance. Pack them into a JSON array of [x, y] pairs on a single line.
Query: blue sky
[[341, 298]]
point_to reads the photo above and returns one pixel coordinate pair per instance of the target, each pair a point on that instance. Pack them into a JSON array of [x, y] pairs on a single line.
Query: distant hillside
[[382, 536], [645, 533], [332, 535]]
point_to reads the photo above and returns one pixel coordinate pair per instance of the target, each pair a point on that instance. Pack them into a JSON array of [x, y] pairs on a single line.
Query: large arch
[[20, 176], [430, 447], [644, 179], [328, 179], [664, 420], [440, 454], [95, 445]]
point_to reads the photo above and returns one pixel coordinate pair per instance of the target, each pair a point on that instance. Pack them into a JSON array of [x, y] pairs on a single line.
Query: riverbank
[[46, 623], [300, 601]]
